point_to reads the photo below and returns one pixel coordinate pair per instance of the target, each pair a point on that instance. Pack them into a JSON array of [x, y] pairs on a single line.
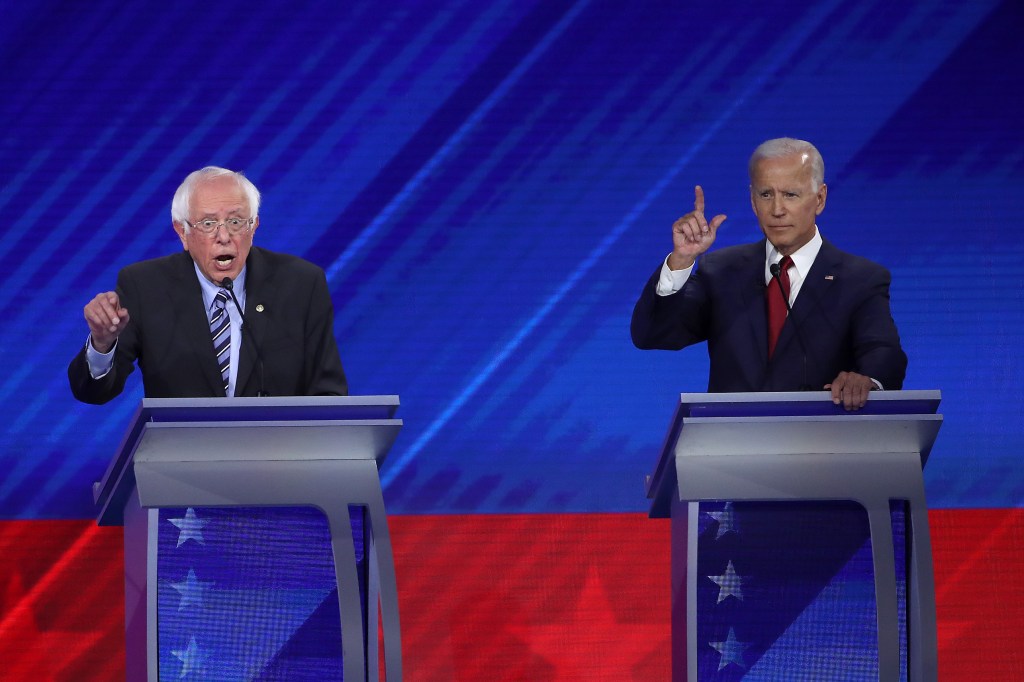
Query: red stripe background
[[502, 597]]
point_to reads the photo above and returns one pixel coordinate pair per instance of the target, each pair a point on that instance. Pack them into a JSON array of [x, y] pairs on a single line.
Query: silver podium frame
[[322, 452], [799, 446]]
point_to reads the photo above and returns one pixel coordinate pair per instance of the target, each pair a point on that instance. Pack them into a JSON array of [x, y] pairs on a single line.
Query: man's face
[[784, 201], [220, 254]]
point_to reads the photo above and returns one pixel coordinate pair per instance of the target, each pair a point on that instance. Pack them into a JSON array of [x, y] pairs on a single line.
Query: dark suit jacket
[[168, 333], [842, 314]]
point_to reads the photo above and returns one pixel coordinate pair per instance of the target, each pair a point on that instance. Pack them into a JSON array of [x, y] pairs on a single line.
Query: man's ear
[[822, 195], [179, 229]]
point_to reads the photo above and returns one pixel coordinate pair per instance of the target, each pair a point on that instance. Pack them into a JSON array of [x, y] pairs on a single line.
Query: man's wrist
[[96, 347], [677, 262]]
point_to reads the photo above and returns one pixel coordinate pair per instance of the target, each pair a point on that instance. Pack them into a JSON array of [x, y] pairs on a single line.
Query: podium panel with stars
[[800, 545], [256, 540]]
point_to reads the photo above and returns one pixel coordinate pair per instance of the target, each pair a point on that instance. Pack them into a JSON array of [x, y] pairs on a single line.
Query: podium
[[312, 452], [770, 447]]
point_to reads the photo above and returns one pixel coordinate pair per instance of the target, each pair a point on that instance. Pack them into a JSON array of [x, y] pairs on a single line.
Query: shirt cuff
[[99, 363], [670, 280]]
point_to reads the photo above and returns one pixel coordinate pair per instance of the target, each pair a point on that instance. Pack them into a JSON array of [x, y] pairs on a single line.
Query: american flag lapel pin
[[829, 277]]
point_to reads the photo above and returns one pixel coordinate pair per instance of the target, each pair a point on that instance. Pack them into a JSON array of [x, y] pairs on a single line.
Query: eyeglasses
[[209, 227]]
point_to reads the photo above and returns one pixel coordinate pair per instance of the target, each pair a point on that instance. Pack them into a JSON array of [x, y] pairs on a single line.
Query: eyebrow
[[214, 215], [790, 190]]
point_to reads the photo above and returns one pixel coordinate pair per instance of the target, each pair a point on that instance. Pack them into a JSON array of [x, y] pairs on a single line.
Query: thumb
[[717, 221]]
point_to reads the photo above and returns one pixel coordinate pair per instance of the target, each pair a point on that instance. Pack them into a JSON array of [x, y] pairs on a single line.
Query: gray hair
[[182, 197], [787, 146]]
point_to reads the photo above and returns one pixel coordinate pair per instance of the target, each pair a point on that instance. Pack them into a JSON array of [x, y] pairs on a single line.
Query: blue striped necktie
[[220, 330]]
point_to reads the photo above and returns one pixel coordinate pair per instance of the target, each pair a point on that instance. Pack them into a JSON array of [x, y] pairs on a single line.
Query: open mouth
[[224, 261]]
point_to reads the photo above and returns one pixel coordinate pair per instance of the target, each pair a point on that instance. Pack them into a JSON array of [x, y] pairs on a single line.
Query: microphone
[[776, 271], [226, 283]]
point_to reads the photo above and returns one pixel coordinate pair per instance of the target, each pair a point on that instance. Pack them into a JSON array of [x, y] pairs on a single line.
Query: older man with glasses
[[181, 319]]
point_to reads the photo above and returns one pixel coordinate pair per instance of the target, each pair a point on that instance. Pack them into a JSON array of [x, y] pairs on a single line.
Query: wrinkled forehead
[[218, 195]]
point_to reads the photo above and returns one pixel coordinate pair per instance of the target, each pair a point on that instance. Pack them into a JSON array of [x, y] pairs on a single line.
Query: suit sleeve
[[109, 386], [670, 322], [876, 341], [323, 369]]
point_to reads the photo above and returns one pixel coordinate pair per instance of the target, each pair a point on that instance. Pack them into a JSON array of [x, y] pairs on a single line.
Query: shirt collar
[[210, 289], [803, 258]]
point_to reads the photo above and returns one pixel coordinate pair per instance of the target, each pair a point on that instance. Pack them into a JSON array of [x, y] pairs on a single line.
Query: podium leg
[[136, 594], [886, 600], [382, 575], [922, 628], [684, 590], [361, 487], [352, 643]]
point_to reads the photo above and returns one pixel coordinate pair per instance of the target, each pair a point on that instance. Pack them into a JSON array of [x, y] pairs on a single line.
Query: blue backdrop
[[488, 185]]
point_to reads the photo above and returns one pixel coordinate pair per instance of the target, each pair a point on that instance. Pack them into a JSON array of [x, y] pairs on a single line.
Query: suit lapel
[[258, 282], [814, 293], [193, 325], [751, 278]]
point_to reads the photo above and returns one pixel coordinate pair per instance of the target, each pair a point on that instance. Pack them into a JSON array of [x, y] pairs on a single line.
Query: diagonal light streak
[[26, 605], [442, 154]]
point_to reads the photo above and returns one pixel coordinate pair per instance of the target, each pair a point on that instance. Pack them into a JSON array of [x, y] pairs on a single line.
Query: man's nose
[[778, 207], [222, 235]]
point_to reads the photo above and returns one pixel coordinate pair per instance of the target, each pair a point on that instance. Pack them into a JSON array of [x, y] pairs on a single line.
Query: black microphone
[[776, 271], [226, 283]]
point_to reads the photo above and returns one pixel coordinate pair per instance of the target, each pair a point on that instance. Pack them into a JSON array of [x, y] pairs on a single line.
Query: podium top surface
[[812, 409], [802, 404], [118, 479], [268, 409]]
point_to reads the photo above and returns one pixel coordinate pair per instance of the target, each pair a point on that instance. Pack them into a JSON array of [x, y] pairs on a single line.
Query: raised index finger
[[698, 199]]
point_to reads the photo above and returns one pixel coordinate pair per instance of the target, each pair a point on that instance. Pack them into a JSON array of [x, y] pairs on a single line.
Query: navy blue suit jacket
[[841, 316], [287, 307]]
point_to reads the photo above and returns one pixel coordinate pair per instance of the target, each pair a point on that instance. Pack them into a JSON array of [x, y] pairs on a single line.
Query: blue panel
[[786, 590], [249, 594]]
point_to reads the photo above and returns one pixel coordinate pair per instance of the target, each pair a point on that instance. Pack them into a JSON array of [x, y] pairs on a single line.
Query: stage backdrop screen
[[488, 186]]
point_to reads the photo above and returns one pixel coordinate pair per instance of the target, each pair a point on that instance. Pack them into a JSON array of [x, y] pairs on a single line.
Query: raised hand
[[692, 234], [106, 318]]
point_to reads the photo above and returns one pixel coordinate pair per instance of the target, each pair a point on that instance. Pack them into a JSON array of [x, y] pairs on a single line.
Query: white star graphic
[[731, 650], [191, 527], [191, 590], [729, 584], [191, 658], [726, 520]]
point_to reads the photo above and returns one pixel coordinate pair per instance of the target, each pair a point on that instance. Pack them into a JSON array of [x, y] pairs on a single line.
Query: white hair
[[183, 196], [787, 146]]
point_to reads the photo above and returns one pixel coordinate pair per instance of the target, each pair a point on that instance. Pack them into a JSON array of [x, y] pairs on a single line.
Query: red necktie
[[776, 298]]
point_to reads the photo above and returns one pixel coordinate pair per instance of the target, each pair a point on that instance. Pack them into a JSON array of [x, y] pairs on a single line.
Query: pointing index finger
[[698, 199]]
